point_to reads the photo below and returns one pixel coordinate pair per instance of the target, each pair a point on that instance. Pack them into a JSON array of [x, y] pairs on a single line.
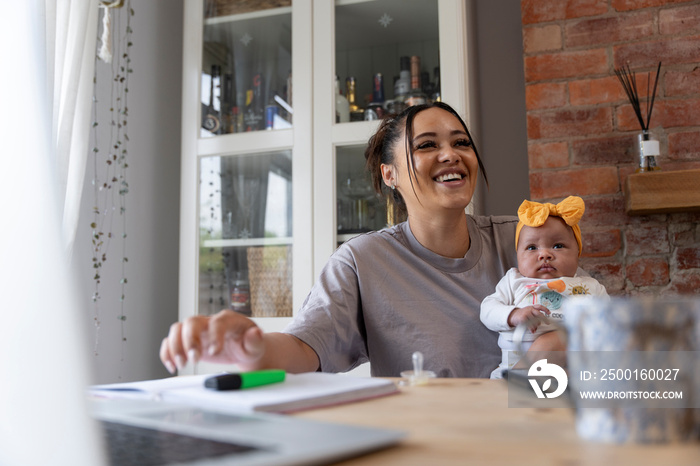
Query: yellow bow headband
[[534, 214]]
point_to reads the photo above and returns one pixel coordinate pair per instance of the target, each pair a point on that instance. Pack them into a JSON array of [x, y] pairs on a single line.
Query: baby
[[548, 245]]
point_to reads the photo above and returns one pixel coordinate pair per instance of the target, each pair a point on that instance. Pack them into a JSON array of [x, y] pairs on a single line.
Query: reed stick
[[628, 79]]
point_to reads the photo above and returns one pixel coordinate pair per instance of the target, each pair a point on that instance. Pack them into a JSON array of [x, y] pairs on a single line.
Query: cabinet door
[[369, 47], [246, 159]]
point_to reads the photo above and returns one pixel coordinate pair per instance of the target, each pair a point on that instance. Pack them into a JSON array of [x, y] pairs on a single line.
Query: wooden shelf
[[662, 192]]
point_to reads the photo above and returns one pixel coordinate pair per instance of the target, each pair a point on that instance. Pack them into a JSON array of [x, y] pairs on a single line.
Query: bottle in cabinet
[[229, 107], [375, 109], [240, 295], [356, 113], [211, 116], [254, 118], [342, 106], [435, 96], [403, 84], [415, 96]]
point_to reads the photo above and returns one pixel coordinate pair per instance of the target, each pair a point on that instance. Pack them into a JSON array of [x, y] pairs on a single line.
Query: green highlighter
[[242, 380]]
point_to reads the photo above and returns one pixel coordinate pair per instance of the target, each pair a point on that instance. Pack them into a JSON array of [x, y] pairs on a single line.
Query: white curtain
[[71, 38], [43, 358]]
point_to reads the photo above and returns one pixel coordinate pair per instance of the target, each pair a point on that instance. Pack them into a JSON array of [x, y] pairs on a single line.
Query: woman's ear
[[388, 175]]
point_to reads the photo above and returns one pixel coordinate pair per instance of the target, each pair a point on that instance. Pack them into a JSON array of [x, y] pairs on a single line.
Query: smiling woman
[[432, 175], [383, 295]]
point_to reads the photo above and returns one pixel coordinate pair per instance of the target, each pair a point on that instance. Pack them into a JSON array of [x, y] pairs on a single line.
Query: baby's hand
[[532, 316]]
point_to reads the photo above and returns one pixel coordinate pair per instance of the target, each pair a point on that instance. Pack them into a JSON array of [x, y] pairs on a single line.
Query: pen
[[243, 380]]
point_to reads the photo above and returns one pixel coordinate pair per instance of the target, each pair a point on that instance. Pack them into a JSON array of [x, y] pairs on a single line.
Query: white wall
[[152, 213]]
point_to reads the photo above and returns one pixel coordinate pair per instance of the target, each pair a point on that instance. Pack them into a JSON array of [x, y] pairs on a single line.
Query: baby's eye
[[530, 247], [559, 246]]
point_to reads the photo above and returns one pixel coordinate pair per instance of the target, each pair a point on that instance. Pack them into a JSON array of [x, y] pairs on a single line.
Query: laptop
[[153, 433], [44, 352]]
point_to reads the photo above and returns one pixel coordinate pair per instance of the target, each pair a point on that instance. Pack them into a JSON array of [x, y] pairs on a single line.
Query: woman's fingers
[[226, 337], [251, 347], [165, 357], [194, 331], [182, 343], [234, 338]]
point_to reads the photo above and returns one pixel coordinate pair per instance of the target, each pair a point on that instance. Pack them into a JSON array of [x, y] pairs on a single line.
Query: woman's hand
[[532, 316], [226, 337]]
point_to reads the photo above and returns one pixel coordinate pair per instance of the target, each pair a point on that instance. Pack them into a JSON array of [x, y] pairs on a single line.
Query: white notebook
[[298, 392]]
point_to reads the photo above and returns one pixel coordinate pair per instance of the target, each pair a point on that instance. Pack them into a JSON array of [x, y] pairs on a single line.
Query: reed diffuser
[[648, 143]]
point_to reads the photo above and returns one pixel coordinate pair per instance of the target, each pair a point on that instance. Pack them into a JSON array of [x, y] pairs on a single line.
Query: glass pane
[[246, 67], [245, 231], [360, 209], [387, 55]]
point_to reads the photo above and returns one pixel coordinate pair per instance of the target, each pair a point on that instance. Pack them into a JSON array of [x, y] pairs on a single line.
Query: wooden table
[[468, 421]]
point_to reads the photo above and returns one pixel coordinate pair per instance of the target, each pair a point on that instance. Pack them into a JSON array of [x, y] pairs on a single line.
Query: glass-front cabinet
[[279, 100]]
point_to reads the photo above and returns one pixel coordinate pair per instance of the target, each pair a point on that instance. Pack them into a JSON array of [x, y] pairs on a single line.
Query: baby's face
[[549, 251]]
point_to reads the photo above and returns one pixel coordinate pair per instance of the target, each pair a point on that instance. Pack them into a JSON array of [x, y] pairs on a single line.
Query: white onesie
[[516, 291]]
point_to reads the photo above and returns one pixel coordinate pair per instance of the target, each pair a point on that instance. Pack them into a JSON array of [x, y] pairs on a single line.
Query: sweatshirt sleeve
[[496, 307]]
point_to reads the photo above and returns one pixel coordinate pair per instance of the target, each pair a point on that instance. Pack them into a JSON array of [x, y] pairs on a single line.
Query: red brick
[[647, 239], [601, 243], [685, 112], [669, 51], [670, 165], [597, 91], [680, 20], [652, 271], [687, 258], [569, 122], [684, 146], [625, 171], [686, 217], [580, 8], [566, 65], [682, 82], [609, 274], [606, 210], [666, 113], [539, 11], [682, 234], [610, 29], [545, 95], [609, 151], [585, 181], [685, 283], [540, 39], [548, 155], [626, 5]]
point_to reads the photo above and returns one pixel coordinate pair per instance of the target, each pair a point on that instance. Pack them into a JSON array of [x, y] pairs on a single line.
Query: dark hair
[[380, 146]]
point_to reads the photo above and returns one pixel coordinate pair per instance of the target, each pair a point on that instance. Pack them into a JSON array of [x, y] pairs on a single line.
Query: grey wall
[[502, 121], [152, 204]]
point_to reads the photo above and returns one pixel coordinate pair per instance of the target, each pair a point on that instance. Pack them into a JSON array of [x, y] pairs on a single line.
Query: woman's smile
[[445, 166]]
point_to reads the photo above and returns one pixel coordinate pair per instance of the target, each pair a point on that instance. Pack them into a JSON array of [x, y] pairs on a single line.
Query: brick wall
[[582, 130]]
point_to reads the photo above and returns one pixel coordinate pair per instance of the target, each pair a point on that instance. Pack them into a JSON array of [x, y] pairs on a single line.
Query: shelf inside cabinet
[[227, 243], [662, 192], [249, 14]]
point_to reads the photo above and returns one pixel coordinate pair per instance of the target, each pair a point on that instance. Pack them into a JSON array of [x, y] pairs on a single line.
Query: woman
[[416, 286]]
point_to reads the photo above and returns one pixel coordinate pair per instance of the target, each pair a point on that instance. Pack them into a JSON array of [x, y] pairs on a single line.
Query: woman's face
[[446, 166]]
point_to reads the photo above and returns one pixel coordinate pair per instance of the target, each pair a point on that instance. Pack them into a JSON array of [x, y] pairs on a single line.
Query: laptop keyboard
[[131, 445]]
